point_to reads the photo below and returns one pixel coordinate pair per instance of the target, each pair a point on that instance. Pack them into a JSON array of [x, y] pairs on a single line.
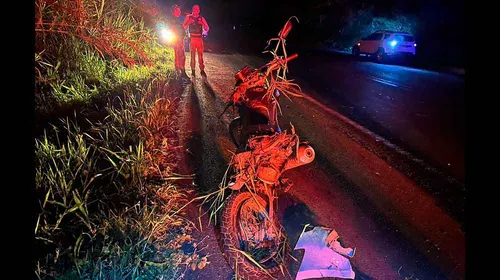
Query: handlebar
[[292, 57], [276, 63]]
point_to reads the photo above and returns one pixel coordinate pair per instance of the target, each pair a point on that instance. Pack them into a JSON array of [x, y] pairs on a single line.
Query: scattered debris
[[324, 256]]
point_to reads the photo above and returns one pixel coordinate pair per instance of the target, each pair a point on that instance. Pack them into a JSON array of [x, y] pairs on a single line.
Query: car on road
[[383, 44]]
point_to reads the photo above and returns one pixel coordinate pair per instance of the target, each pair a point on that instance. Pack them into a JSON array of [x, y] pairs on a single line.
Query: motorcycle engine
[[243, 74]]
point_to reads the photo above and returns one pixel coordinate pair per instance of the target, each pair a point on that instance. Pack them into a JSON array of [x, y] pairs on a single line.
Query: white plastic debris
[[323, 256]]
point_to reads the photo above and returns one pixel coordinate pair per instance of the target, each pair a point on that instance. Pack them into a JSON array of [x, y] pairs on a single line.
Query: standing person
[[178, 29], [196, 25]]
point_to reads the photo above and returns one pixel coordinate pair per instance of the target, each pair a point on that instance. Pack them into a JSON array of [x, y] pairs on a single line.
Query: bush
[[80, 54], [363, 22]]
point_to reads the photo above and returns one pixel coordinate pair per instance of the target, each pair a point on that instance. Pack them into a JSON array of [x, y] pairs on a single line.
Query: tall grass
[[100, 217], [84, 48], [109, 207]]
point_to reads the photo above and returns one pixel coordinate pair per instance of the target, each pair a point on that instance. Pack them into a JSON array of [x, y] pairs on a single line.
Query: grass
[[108, 203], [102, 214], [59, 87], [78, 59]]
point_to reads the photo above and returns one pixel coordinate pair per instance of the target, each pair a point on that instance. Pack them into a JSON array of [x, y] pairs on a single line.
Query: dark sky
[[223, 11], [269, 11]]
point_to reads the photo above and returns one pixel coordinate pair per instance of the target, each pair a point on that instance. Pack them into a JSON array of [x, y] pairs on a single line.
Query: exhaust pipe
[[305, 155], [269, 173]]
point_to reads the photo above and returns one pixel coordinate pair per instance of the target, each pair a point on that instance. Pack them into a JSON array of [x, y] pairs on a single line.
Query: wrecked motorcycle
[[254, 241]]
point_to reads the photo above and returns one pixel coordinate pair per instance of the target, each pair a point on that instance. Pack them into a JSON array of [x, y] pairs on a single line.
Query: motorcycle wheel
[[245, 228]]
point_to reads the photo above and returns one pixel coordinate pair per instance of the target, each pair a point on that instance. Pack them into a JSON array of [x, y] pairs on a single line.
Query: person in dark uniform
[[178, 29], [197, 25]]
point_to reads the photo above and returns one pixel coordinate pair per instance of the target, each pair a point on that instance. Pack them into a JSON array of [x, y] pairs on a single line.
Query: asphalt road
[[422, 111], [400, 228]]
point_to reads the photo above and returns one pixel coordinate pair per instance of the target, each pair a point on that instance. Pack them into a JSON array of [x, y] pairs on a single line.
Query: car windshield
[[404, 38], [374, 37]]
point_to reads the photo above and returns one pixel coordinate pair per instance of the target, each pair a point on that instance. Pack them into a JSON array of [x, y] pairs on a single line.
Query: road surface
[[400, 227], [422, 111]]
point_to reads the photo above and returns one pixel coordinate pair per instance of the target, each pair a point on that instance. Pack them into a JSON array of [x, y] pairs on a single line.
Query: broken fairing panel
[[323, 256]]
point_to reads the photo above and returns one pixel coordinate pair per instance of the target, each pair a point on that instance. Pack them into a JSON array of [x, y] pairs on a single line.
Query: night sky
[[244, 11]]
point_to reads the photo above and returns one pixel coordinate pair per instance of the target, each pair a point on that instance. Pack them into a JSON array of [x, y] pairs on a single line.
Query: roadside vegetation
[[108, 202]]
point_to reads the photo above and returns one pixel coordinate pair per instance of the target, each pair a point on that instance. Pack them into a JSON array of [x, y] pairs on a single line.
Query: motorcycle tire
[[241, 265]]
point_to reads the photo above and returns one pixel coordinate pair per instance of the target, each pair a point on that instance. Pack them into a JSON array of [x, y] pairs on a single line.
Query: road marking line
[[382, 81], [389, 83]]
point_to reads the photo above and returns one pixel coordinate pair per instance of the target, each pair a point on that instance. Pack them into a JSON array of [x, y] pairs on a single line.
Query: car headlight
[[394, 43]]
